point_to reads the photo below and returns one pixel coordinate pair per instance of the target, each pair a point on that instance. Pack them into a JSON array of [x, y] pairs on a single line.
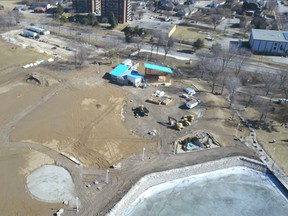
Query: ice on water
[[235, 191]]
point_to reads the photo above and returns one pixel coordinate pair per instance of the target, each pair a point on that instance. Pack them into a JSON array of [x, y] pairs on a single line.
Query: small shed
[[118, 72], [125, 75], [157, 73], [135, 78]]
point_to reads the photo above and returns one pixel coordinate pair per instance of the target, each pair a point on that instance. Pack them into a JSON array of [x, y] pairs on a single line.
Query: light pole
[[237, 128], [143, 154], [107, 177], [77, 205]]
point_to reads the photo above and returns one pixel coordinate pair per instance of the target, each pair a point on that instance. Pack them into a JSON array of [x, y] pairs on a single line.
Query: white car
[[190, 91]]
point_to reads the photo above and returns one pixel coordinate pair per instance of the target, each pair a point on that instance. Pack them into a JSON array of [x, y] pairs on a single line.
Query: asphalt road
[[114, 39]]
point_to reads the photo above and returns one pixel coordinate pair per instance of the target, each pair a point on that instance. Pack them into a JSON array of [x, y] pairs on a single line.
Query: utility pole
[[77, 205], [237, 128], [143, 154], [107, 177]]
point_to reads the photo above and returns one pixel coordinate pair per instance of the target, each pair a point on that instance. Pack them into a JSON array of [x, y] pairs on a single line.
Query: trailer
[[27, 33], [38, 30]]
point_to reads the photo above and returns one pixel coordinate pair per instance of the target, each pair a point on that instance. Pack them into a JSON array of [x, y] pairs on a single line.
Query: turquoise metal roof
[[158, 68], [119, 70], [135, 75]]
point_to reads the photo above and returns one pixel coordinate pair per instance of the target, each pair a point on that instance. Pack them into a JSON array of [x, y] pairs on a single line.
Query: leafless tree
[[81, 56], [215, 20], [160, 42], [138, 43], [134, 6], [168, 44], [224, 57], [251, 95], [232, 83], [283, 77], [241, 59], [270, 81], [211, 67], [151, 45], [271, 4], [264, 106], [283, 83], [197, 17], [140, 14], [203, 58], [17, 15]]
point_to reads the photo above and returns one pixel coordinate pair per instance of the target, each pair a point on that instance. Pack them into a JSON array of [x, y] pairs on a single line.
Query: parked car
[[189, 91]]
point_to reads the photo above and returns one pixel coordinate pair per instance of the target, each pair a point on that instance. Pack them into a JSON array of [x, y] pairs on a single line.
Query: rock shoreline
[[154, 179]]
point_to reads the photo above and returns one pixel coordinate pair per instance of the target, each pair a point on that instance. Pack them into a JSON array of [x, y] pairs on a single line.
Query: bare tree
[[197, 17], [138, 43], [168, 44], [211, 66], [264, 106], [251, 93], [232, 84], [140, 14], [225, 57], [17, 16], [215, 20], [271, 4], [134, 6], [81, 56], [241, 59], [151, 45], [270, 81], [159, 43]]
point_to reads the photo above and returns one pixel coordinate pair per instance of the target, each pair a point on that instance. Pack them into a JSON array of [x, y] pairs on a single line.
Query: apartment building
[[120, 8], [87, 6], [103, 8]]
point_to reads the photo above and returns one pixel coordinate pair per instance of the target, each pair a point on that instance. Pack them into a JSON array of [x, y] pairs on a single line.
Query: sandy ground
[[85, 116]]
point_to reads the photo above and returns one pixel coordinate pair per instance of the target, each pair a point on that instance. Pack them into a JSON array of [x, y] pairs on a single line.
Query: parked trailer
[[27, 33], [38, 30]]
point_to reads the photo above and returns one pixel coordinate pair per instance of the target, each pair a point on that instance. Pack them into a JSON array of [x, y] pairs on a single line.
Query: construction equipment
[[143, 110], [167, 100], [151, 100], [188, 118], [140, 111], [174, 123], [185, 123]]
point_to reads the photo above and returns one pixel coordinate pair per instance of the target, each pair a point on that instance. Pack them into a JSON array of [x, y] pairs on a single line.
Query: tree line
[[224, 69]]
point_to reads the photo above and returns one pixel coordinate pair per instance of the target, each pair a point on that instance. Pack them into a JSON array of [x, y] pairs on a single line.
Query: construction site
[[86, 138]]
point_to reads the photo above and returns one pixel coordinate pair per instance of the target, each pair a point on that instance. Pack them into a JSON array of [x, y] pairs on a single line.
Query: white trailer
[[38, 30], [27, 33]]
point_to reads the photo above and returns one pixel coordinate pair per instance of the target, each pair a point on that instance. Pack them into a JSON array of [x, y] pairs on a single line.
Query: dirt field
[[80, 113]]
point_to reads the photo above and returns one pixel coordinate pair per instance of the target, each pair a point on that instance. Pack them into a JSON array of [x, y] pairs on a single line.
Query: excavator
[[143, 110], [174, 123]]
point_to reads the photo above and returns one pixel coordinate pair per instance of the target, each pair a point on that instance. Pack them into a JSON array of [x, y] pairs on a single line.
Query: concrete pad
[[53, 184]]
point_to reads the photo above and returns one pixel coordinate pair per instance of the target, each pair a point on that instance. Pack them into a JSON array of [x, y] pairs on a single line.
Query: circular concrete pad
[[51, 183]]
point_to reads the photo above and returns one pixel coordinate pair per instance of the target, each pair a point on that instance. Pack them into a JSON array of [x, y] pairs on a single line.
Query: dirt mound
[[40, 79]]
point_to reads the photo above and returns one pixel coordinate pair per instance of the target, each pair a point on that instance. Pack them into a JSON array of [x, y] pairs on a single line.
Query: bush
[[198, 44]]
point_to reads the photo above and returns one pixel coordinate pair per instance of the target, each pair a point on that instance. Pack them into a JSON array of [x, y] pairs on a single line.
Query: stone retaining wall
[[153, 179]]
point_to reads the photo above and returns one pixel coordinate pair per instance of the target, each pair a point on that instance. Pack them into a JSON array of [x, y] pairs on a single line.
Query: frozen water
[[234, 191]]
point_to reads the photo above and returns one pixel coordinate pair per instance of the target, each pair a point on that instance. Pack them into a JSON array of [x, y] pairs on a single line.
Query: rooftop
[[270, 35], [135, 74], [119, 70], [158, 68]]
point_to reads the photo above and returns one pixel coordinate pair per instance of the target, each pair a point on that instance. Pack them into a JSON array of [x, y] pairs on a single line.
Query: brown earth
[[85, 116]]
